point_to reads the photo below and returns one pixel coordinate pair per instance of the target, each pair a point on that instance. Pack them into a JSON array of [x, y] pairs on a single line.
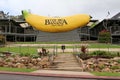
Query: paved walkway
[[63, 72], [66, 62], [90, 49], [13, 45]]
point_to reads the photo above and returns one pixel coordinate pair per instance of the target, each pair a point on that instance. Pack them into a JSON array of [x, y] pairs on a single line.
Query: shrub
[[99, 53], [102, 54], [102, 67], [118, 61], [118, 54], [29, 55], [115, 67], [25, 54], [34, 56], [104, 36], [84, 56]]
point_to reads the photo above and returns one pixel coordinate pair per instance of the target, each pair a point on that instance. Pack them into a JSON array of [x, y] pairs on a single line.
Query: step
[[66, 62], [69, 68]]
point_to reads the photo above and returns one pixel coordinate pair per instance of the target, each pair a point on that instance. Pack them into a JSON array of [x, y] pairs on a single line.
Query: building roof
[[117, 16], [1, 12], [2, 15], [92, 23], [114, 18]]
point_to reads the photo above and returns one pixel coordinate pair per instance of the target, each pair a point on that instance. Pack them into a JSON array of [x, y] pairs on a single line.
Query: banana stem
[[25, 13]]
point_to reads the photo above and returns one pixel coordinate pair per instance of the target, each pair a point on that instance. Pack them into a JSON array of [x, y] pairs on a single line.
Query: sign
[[55, 22]]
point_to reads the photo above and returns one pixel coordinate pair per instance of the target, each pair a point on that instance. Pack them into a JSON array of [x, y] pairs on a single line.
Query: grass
[[102, 45], [91, 45], [106, 74], [16, 69], [33, 50]]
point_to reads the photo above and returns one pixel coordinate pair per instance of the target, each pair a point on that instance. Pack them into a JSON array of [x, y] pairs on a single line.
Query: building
[[84, 32], [112, 25], [14, 29]]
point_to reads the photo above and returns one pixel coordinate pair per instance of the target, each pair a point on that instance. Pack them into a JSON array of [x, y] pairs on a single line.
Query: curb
[[60, 75]]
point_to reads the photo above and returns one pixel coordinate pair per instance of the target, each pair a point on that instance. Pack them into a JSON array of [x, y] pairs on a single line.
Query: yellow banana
[[56, 24]]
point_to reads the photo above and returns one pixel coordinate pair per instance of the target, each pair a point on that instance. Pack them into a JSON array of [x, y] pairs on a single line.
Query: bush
[[29, 55], [118, 61], [99, 53], [25, 54], [34, 56], [104, 36], [118, 54], [115, 67], [102, 54], [102, 67], [84, 56]]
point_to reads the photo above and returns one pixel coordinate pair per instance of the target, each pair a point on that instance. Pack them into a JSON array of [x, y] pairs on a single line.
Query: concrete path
[[63, 72], [66, 62], [89, 50]]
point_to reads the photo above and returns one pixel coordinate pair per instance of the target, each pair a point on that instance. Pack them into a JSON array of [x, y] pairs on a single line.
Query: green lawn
[[33, 50], [16, 69], [91, 45], [105, 74], [101, 45]]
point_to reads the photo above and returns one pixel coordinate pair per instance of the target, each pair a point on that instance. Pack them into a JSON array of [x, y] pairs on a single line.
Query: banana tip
[[24, 13]]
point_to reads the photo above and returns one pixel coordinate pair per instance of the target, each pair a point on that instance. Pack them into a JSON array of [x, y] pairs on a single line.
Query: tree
[[104, 36]]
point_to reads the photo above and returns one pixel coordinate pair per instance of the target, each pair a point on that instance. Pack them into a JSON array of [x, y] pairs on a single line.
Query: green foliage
[[84, 56], [29, 55], [102, 67], [25, 54], [106, 73], [104, 36], [118, 61], [19, 49], [103, 54], [115, 67], [16, 69], [34, 56], [118, 54], [99, 53], [7, 60]]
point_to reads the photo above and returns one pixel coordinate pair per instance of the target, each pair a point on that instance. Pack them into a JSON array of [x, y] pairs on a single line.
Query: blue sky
[[96, 8]]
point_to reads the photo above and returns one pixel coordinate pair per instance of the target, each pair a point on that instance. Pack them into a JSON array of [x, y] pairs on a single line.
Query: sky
[[98, 9]]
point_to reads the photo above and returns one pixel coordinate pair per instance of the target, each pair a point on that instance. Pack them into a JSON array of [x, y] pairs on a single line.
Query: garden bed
[[100, 62], [27, 62]]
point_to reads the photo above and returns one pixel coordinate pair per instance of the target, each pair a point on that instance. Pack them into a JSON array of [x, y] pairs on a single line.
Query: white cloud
[[96, 8]]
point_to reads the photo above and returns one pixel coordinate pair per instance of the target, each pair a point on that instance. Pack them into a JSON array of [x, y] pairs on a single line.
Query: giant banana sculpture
[[56, 24]]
